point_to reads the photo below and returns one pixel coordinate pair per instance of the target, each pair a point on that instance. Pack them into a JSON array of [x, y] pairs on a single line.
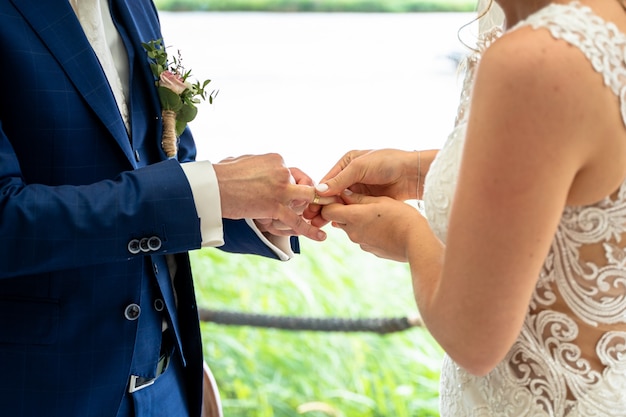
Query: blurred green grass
[[394, 6], [271, 373]]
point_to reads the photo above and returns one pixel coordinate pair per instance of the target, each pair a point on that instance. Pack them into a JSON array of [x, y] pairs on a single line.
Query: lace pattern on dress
[[581, 292], [437, 186]]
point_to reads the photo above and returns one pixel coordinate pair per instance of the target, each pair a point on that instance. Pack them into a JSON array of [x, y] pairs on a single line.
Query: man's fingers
[[278, 225], [300, 226], [297, 195], [318, 221], [300, 177]]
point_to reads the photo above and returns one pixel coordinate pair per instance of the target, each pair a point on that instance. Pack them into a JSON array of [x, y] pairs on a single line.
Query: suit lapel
[[136, 26], [57, 26]]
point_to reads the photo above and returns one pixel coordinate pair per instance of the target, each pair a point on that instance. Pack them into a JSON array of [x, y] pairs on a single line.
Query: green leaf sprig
[[176, 93]]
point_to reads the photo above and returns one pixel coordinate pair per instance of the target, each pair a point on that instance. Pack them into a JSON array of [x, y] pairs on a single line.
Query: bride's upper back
[[577, 314], [585, 273]]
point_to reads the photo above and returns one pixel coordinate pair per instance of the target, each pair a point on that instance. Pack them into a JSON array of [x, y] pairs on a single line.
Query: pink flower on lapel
[[173, 82]]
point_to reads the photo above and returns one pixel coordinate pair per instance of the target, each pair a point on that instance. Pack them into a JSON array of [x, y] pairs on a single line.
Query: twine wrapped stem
[[169, 139]]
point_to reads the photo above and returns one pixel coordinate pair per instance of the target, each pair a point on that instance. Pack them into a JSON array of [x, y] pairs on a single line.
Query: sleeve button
[[133, 247], [143, 245], [154, 243]]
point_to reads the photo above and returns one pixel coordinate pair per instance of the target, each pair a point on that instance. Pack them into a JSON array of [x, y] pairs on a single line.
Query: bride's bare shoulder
[[530, 64], [529, 51]]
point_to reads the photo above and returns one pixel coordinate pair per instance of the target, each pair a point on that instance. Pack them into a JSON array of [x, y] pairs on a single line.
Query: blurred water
[[313, 86]]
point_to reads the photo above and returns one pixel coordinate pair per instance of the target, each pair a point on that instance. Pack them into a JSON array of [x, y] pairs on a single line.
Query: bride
[[519, 261]]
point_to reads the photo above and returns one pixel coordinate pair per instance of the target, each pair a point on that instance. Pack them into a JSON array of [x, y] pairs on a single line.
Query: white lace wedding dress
[[581, 292]]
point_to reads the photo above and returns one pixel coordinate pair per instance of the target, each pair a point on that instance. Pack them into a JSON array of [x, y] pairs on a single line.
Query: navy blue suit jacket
[[75, 191]]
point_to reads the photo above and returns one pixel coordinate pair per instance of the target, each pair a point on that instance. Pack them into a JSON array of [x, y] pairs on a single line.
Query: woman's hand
[[380, 225], [385, 172]]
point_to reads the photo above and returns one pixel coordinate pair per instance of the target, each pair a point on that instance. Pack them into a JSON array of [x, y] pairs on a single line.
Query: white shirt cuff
[[206, 195], [280, 245]]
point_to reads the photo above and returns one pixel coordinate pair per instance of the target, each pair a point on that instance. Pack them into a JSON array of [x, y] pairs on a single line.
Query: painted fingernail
[[321, 235], [321, 187], [347, 192]]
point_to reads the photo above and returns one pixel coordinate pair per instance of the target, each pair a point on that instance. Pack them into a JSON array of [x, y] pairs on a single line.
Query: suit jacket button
[[133, 247], [132, 312], [159, 305], [143, 245], [154, 243]]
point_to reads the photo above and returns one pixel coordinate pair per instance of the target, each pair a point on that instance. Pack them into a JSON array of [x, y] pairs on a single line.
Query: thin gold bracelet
[[420, 202]]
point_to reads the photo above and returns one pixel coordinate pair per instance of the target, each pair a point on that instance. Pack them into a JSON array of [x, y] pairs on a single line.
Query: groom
[[97, 308]]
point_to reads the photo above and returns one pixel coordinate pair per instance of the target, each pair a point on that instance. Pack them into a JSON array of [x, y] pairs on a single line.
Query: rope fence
[[320, 324]]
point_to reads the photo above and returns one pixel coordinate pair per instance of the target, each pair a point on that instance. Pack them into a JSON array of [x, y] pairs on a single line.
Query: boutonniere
[[178, 96]]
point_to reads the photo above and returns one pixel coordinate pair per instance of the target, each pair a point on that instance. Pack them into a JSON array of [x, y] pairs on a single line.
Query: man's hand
[[261, 187]]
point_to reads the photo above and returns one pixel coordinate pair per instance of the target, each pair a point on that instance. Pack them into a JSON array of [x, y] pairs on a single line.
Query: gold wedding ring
[[316, 199]]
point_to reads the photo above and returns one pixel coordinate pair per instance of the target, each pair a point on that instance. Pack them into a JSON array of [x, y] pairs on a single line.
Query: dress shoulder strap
[[600, 41]]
